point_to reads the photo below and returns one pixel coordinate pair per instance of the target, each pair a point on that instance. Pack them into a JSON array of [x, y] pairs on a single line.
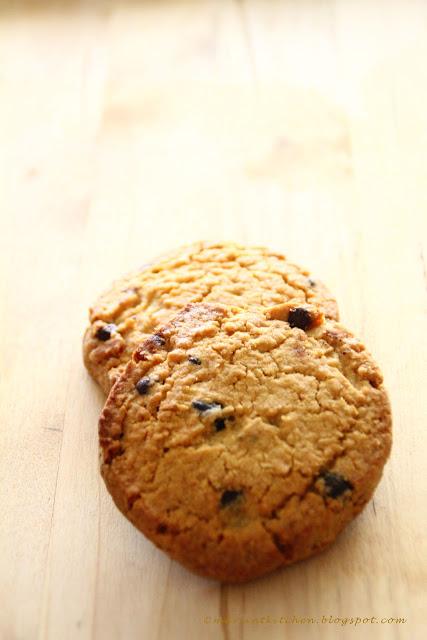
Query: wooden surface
[[128, 128]]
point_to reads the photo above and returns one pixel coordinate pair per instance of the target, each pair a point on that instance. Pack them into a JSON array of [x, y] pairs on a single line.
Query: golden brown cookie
[[138, 304], [239, 442]]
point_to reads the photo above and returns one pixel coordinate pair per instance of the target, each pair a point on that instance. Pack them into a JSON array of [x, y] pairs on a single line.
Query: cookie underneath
[[238, 443], [139, 303]]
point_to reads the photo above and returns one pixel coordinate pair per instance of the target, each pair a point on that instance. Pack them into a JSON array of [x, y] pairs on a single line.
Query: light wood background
[[128, 128]]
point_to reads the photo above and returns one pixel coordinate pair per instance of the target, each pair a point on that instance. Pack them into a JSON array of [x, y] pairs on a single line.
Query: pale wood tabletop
[[127, 129]]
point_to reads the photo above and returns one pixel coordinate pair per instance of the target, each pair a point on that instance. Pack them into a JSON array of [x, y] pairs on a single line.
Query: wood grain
[[128, 128]]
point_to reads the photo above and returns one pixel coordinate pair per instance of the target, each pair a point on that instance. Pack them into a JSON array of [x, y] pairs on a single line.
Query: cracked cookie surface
[[238, 443], [138, 304]]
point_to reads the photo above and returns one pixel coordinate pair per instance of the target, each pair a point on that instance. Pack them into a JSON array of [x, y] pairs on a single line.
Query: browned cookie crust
[[238, 442], [138, 304]]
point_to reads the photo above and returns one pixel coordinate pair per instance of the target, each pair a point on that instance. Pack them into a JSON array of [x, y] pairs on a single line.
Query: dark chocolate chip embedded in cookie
[[303, 317], [259, 459], [300, 317], [202, 406], [335, 485], [143, 385], [248, 277], [219, 424], [104, 333], [229, 497]]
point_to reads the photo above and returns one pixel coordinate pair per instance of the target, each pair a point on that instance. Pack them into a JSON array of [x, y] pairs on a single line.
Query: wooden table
[[128, 128]]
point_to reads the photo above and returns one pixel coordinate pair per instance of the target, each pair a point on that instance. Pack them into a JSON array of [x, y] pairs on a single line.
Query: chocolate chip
[[153, 343], [194, 360], [335, 485], [299, 317], [143, 385], [205, 406], [104, 333], [219, 424], [162, 528], [229, 496], [311, 282]]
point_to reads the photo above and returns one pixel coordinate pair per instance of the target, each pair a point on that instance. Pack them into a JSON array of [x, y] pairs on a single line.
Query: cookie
[[230, 274], [239, 442]]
